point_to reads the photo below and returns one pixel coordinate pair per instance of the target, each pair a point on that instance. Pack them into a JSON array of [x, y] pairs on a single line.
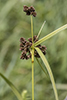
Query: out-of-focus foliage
[[15, 24]]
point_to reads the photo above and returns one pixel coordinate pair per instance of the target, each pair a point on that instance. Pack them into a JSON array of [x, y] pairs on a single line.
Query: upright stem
[[32, 59], [32, 74], [32, 28]]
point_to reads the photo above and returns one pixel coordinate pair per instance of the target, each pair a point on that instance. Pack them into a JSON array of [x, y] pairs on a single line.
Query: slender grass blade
[[50, 35], [41, 29], [12, 87], [42, 67], [49, 71]]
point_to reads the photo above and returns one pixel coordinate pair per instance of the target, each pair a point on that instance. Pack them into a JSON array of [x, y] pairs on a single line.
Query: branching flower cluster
[[25, 47]]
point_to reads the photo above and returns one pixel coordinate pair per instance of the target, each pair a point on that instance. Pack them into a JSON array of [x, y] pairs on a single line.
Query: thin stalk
[[32, 52], [32, 74], [32, 27]]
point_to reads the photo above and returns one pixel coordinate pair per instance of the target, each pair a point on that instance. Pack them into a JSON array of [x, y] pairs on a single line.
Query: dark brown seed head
[[35, 38], [29, 10], [21, 45], [44, 52], [34, 14], [25, 8], [43, 48], [22, 39], [30, 40], [26, 45], [27, 13], [21, 48]]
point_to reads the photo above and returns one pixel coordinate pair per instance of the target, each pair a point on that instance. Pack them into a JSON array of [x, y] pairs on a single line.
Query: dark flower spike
[[25, 8], [34, 14], [29, 10], [26, 45], [30, 40]]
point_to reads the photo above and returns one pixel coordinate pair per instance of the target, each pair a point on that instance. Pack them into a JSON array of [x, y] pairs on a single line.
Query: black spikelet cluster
[[29, 10], [25, 47]]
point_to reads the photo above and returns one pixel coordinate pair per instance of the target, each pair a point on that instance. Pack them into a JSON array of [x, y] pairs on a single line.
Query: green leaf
[[42, 67], [12, 87], [49, 71], [50, 35], [41, 29]]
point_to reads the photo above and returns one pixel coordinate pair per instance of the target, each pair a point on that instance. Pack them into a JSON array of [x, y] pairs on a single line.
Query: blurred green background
[[14, 24]]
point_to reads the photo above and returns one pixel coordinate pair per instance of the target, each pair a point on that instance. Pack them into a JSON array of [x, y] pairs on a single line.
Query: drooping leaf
[[49, 71], [50, 35], [12, 87], [42, 67]]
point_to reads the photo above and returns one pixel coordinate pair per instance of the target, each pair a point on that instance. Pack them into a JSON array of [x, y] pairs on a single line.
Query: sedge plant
[[33, 48]]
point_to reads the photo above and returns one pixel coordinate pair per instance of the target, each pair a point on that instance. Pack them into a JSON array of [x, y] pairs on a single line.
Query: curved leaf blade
[[49, 71], [42, 67], [12, 87], [50, 35]]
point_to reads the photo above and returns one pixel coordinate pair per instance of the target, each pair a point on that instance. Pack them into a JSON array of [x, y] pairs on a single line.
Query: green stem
[[32, 74], [32, 28], [32, 59]]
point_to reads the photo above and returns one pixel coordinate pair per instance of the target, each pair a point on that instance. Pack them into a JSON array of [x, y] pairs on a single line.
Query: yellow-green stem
[[32, 74], [32, 59], [32, 28]]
